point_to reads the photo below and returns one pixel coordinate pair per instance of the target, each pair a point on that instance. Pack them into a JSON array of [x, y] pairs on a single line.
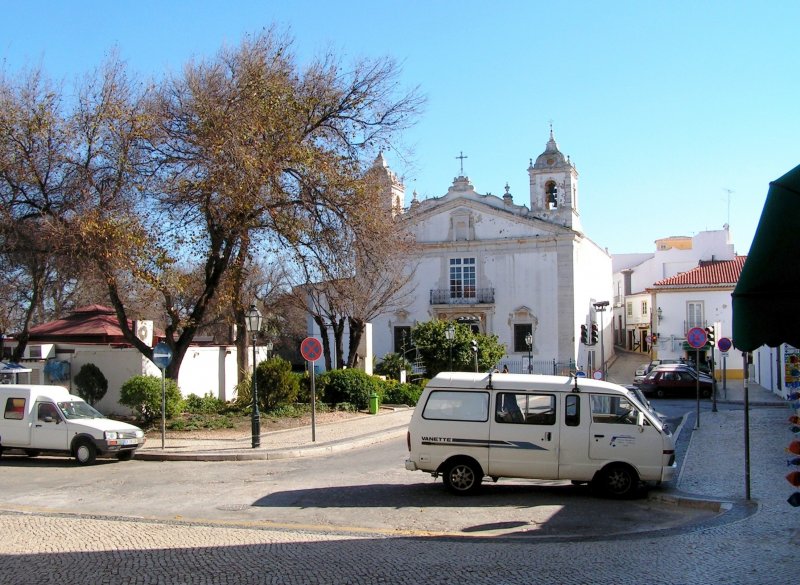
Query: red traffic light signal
[[594, 333], [584, 335]]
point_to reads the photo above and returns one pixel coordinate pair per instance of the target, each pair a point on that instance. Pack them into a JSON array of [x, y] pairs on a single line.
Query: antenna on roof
[[728, 191]]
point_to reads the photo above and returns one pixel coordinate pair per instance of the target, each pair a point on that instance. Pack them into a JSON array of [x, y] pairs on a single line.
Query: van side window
[[15, 409], [613, 410], [572, 412], [531, 409], [457, 405]]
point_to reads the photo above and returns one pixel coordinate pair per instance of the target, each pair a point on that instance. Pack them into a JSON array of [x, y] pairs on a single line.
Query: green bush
[[277, 384], [391, 365], [91, 383], [208, 404], [397, 393], [143, 395], [349, 386], [244, 392]]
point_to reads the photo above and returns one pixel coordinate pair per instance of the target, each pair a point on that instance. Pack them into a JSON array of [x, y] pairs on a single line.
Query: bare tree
[[35, 200], [174, 187], [250, 150]]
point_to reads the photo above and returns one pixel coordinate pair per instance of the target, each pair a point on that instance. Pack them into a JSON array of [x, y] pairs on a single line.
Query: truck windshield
[[78, 409]]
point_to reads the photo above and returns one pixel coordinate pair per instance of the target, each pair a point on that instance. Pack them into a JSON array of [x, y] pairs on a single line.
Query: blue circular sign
[[696, 337], [162, 355], [724, 344]]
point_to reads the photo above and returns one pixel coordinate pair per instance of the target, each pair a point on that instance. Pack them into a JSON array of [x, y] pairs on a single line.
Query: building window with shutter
[[694, 314]]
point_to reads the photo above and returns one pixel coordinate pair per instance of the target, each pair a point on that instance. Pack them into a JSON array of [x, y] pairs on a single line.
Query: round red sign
[[696, 337], [311, 349]]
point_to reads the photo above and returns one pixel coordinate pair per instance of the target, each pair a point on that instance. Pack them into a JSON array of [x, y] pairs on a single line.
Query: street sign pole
[[696, 337], [162, 356], [697, 364], [311, 350]]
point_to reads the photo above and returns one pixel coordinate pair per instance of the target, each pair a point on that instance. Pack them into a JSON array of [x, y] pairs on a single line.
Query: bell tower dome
[[392, 192], [554, 187]]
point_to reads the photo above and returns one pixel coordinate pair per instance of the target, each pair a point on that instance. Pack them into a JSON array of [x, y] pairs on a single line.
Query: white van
[[468, 426], [40, 419]]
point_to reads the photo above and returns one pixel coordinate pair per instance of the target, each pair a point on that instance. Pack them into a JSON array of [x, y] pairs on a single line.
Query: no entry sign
[[311, 349]]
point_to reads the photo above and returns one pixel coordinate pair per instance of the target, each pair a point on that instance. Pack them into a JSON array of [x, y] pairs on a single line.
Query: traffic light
[[710, 336], [594, 333], [474, 346], [584, 335]]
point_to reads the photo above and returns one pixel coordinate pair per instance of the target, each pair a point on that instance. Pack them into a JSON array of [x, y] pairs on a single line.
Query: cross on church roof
[[461, 156]]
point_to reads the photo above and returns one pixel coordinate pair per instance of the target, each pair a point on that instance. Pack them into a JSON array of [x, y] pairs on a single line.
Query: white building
[[507, 269], [697, 298], [635, 311]]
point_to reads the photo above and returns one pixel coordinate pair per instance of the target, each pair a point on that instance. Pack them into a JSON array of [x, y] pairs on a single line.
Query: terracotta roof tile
[[708, 273]]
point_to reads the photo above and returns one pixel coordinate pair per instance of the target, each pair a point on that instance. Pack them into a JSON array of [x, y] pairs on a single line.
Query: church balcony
[[478, 296]]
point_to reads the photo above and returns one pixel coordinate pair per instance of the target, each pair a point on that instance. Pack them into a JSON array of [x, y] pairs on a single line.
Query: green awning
[[766, 300]]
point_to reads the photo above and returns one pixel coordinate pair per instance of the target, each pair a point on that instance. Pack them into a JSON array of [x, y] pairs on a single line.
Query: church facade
[[506, 269]]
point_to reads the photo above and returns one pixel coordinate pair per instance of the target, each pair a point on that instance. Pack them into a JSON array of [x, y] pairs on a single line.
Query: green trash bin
[[373, 403]]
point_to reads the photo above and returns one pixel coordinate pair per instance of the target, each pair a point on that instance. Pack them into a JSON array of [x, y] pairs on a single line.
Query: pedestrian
[[505, 368]]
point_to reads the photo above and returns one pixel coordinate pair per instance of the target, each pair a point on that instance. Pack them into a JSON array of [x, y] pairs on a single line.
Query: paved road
[[133, 541]]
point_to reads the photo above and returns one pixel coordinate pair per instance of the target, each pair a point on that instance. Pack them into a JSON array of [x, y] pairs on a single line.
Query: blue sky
[[664, 107]]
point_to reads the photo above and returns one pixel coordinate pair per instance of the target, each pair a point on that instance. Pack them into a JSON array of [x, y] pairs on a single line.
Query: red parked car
[[676, 379]]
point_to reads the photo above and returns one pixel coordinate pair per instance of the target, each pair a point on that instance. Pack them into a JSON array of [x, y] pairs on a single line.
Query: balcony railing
[[480, 296]]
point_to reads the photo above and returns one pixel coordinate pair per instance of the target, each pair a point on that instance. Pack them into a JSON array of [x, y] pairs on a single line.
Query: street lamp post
[[529, 343], [450, 333], [601, 308], [254, 320]]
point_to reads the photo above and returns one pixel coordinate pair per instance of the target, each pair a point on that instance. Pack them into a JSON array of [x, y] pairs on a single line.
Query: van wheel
[[463, 477], [618, 481], [125, 455], [85, 452]]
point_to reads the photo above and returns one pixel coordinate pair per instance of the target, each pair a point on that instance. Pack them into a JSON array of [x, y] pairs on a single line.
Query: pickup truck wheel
[[463, 477], [85, 452], [125, 455]]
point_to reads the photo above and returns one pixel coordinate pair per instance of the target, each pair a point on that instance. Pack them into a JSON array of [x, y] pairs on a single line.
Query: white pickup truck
[[38, 419]]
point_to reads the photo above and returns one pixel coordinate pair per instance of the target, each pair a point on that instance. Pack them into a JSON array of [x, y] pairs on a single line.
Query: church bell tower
[[392, 190], [554, 187]]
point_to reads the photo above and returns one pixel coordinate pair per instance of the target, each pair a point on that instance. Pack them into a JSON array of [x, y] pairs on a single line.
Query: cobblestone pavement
[[756, 543]]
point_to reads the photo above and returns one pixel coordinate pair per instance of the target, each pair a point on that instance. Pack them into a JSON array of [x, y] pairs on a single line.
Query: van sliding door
[[523, 441]]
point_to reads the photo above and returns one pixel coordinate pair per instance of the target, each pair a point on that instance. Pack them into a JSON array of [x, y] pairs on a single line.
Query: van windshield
[[78, 409]]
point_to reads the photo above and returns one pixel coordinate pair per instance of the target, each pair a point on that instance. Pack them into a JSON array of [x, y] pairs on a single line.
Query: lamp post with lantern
[[254, 321], [450, 333], [529, 343]]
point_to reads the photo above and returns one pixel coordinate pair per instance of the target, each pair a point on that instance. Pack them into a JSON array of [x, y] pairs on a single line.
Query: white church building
[[504, 268]]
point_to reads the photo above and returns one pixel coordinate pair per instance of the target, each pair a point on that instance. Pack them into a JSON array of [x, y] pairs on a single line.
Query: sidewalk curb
[[311, 450]]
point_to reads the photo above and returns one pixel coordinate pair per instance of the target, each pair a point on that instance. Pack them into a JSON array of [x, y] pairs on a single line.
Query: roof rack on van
[[489, 385], [575, 378]]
